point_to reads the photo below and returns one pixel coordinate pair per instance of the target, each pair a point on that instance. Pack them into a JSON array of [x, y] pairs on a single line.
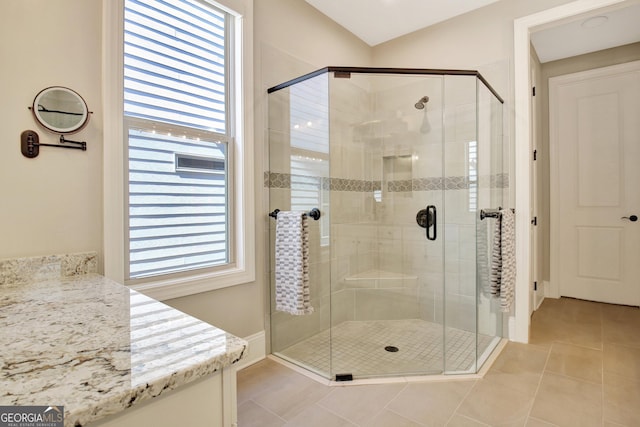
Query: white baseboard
[[256, 351]]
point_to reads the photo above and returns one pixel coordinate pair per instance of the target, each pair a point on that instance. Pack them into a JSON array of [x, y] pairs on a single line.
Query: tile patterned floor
[[359, 349], [581, 368]]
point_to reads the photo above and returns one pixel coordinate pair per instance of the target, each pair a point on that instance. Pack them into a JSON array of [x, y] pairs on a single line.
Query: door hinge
[[535, 286], [533, 91], [535, 155], [534, 221]]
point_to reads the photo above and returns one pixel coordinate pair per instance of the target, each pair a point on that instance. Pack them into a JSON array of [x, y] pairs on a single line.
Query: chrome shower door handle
[[432, 214]]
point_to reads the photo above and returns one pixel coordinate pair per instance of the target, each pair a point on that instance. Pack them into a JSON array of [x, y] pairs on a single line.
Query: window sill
[[195, 284]]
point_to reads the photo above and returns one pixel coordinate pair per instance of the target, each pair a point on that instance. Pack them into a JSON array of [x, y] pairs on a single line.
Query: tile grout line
[[332, 412], [544, 368], [386, 406], [397, 413], [455, 411], [268, 410]]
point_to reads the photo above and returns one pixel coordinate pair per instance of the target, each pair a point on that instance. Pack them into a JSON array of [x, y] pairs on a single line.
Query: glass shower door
[[298, 181], [492, 184], [387, 270]]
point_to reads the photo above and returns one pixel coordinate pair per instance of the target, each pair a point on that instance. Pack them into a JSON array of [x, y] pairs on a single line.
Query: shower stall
[[399, 163]]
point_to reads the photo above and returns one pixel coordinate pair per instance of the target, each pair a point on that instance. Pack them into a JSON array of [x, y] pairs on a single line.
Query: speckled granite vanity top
[[73, 338]]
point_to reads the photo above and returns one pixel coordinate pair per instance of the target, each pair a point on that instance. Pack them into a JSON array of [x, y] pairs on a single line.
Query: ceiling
[[586, 33], [378, 21]]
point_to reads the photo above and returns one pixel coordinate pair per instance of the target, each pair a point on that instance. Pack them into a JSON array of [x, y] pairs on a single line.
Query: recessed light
[[595, 21]]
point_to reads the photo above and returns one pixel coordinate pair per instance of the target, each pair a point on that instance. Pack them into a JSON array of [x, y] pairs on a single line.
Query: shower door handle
[[431, 214], [426, 218]]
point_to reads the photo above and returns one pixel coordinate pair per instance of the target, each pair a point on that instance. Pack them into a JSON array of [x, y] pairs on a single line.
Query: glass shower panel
[[491, 184], [461, 199], [298, 181], [399, 162], [386, 280]]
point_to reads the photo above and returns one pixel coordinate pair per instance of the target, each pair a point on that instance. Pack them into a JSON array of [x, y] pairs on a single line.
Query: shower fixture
[[421, 103]]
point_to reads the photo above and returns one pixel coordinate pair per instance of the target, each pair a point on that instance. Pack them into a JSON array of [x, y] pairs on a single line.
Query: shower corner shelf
[[379, 275]]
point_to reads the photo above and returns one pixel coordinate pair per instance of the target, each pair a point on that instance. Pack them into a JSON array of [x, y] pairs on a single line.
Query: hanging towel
[[496, 258], [292, 263], [482, 244], [508, 255]]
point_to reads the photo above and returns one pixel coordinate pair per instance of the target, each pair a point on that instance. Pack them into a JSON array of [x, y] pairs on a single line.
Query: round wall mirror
[[60, 110]]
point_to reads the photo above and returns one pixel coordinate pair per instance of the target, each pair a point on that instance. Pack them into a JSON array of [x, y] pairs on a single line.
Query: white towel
[[508, 252], [292, 263]]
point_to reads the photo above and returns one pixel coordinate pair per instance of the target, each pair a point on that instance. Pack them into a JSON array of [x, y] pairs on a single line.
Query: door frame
[[523, 27]]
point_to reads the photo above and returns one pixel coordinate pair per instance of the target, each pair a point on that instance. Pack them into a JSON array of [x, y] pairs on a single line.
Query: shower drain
[[391, 348]]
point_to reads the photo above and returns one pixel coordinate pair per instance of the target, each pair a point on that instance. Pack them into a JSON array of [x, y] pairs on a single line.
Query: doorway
[[523, 27]]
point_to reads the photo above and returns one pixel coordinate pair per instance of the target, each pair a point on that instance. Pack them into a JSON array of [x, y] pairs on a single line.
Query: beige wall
[[51, 204], [603, 58]]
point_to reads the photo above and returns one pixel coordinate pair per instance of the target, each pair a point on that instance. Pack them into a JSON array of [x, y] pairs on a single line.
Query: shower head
[[421, 103]]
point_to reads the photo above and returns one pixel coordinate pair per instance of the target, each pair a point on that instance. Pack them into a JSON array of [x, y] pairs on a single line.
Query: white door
[[595, 184]]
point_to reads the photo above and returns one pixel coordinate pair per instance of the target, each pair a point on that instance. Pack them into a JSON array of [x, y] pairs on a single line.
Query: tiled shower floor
[[359, 349]]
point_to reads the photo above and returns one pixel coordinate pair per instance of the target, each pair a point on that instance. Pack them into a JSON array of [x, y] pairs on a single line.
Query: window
[[187, 177], [176, 108]]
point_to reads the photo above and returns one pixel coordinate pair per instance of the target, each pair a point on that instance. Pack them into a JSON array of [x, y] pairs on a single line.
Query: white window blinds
[[176, 104]]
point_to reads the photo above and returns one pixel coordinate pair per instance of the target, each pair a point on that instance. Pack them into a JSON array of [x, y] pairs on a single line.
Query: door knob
[[632, 218]]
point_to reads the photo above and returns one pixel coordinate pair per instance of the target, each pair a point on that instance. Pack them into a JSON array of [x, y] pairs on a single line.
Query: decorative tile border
[[341, 184], [283, 180], [36, 269]]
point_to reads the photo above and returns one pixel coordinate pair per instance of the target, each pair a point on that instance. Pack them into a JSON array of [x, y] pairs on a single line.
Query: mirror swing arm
[[30, 144], [67, 105]]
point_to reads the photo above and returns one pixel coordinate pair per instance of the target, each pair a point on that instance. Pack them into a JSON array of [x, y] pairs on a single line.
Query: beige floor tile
[[525, 382], [621, 400], [577, 362], [534, 422], [518, 358], [622, 360], [316, 416], [581, 334], [461, 421], [520, 367], [252, 415], [569, 321], [431, 404], [568, 402], [544, 332], [621, 325], [388, 418], [292, 396], [359, 404], [493, 403], [260, 378]]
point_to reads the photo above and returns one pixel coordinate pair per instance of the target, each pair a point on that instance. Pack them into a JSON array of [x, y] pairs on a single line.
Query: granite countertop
[[97, 347]]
